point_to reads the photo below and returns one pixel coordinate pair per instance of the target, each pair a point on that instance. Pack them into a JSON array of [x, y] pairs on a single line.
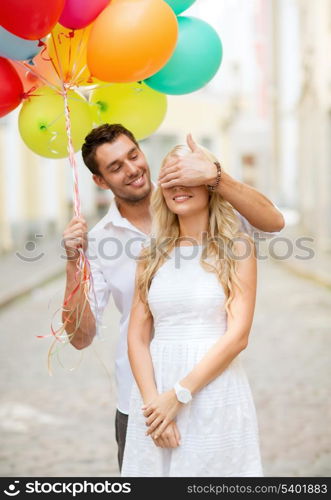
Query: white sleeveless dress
[[218, 428]]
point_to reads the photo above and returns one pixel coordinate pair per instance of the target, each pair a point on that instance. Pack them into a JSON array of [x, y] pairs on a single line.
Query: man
[[117, 163]]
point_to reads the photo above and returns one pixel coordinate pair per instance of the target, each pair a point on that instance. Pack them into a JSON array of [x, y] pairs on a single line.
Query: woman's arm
[[139, 338], [166, 406]]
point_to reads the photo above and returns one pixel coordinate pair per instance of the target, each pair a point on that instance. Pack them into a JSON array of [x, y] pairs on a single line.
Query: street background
[[267, 116]]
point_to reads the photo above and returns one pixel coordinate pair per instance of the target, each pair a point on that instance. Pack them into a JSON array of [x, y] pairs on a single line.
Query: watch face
[[184, 396]]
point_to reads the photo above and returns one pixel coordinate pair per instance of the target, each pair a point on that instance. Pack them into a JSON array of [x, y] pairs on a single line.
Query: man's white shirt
[[114, 244]]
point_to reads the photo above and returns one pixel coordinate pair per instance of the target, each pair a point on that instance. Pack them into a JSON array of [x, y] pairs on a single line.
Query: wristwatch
[[183, 394]]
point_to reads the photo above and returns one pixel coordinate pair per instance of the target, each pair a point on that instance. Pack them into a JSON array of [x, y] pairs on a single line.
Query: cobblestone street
[[63, 425]]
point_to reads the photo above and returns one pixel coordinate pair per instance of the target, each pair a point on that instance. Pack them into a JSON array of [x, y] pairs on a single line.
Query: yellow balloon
[[135, 105], [67, 49], [42, 126]]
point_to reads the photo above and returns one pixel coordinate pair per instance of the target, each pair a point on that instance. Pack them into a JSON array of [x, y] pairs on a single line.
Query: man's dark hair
[[100, 135]]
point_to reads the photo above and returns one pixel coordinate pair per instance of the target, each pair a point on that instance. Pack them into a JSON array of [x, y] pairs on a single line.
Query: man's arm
[[77, 316], [196, 169], [139, 338], [253, 205]]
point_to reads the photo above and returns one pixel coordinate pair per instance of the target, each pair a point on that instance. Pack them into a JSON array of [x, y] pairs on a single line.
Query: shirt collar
[[114, 216]]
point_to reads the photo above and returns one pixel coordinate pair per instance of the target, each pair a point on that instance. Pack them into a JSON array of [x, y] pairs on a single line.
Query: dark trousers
[[121, 422]]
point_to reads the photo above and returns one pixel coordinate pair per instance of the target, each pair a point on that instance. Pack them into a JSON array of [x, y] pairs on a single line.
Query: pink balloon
[[80, 13]]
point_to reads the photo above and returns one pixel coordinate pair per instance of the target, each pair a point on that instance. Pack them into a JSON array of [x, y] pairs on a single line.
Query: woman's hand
[[193, 169], [161, 411], [170, 437]]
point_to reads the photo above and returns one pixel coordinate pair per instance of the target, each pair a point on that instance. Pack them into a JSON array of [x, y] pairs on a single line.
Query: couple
[[187, 302]]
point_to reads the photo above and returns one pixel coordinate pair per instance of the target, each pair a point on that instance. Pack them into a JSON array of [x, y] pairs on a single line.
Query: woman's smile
[[180, 198]]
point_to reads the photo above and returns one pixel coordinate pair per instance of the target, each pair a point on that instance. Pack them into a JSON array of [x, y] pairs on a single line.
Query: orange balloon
[[131, 40]]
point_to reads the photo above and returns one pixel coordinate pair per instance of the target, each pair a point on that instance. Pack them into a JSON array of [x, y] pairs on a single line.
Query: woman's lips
[[181, 198]]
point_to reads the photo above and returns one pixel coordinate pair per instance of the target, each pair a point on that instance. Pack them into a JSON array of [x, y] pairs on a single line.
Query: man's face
[[123, 169]]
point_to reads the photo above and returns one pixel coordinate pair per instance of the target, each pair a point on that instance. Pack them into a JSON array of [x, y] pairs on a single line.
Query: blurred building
[[302, 112], [315, 120]]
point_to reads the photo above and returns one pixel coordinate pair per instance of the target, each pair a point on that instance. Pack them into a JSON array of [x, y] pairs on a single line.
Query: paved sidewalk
[[39, 261], [59, 425], [29, 267], [317, 268]]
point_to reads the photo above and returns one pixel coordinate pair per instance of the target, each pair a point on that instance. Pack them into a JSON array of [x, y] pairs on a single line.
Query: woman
[[191, 409]]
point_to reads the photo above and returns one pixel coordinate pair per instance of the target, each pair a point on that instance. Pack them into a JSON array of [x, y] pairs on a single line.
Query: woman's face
[[186, 200]]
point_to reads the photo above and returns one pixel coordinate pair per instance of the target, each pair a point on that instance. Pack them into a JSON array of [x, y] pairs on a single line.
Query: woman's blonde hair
[[223, 227]]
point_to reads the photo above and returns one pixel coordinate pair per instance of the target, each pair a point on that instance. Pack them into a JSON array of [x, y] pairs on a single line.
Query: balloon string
[[72, 159], [55, 68], [84, 282], [48, 58], [83, 276], [101, 85], [75, 66], [29, 93], [59, 37], [38, 75], [71, 35], [75, 80], [58, 60], [44, 49], [55, 120]]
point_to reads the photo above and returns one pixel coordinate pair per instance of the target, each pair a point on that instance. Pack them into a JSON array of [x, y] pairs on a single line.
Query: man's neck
[[137, 213]]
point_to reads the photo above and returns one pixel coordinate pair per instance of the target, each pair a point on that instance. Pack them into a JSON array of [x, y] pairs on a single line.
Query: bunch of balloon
[[127, 56]]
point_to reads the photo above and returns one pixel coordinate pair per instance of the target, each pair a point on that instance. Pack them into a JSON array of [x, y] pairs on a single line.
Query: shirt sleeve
[[246, 227], [99, 291]]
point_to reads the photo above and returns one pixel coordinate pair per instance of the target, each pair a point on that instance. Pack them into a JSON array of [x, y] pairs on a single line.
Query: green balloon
[[194, 63], [179, 6]]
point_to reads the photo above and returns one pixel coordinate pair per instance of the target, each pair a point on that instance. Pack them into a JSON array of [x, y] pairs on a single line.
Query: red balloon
[[30, 19], [11, 92]]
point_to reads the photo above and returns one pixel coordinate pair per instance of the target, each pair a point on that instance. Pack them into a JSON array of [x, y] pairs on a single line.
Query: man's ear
[[99, 181]]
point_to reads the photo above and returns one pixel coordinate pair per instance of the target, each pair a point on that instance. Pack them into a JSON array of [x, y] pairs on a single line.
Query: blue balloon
[[179, 6], [195, 61], [14, 47]]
